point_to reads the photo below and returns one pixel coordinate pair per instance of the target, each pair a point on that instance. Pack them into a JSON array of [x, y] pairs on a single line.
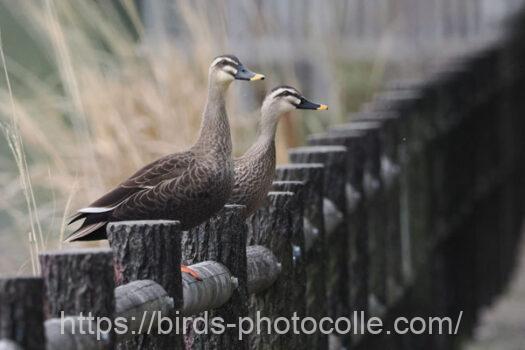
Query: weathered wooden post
[[334, 211], [22, 312], [450, 159], [298, 246], [298, 240], [507, 111], [79, 282], [314, 256], [449, 163], [271, 227], [356, 215], [396, 244], [223, 239], [491, 135], [511, 107], [376, 213], [414, 184], [400, 100], [150, 250]]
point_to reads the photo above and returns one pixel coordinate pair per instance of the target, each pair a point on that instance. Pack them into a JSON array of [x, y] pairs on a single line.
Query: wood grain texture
[[222, 238], [312, 175], [22, 312], [333, 159], [78, 281], [149, 250], [298, 250], [376, 209], [74, 332], [357, 243], [271, 226], [396, 243]]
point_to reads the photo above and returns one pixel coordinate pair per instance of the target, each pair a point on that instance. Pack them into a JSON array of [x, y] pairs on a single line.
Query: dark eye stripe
[[288, 93], [227, 63]]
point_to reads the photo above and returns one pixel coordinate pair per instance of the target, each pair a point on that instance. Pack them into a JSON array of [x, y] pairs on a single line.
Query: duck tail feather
[[75, 217], [89, 232]]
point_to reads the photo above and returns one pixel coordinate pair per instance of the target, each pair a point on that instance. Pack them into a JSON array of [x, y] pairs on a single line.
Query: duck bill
[[305, 104], [245, 74]]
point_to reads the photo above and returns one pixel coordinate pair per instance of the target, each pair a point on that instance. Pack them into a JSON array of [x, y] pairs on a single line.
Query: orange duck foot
[[192, 273]]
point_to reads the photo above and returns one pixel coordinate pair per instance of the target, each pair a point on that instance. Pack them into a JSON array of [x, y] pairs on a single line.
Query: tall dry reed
[[114, 98]]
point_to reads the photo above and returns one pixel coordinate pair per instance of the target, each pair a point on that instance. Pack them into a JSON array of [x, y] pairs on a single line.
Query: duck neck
[[214, 135], [266, 139]]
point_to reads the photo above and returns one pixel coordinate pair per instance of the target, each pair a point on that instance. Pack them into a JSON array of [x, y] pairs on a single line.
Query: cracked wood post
[[416, 185], [408, 109], [223, 239], [78, 281], [482, 167], [375, 208], [492, 171], [509, 149], [511, 154], [390, 168], [298, 246], [336, 230], [271, 227], [150, 250], [22, 312], [429, 122], [449, 162], [403, 100], [312, 175], [356, 214], [424, 150]]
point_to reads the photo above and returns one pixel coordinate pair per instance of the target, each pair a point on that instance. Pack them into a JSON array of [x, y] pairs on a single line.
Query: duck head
[[227, 68], [283, 99]]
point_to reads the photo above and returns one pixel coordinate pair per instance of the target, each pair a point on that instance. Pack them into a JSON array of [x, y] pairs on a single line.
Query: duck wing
[[166, 168]]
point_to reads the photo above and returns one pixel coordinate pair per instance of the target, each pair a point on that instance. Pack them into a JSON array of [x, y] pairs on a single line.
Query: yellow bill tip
[[257, 77], [322, 108]]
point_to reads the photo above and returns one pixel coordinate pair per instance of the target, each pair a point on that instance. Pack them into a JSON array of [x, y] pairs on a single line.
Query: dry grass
[[112, 102]]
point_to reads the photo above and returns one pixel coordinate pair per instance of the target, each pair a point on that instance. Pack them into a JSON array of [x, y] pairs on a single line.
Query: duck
[[255, 169], [188, 186]]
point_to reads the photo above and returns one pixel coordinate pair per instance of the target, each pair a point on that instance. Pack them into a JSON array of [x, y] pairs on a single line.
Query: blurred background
[[92, 90]]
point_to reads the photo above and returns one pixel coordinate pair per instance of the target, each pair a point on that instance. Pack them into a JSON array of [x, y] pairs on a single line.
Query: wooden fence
[[413, 208]]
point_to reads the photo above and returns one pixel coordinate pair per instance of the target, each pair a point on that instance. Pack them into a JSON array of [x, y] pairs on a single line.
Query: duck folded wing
[[167, 168]]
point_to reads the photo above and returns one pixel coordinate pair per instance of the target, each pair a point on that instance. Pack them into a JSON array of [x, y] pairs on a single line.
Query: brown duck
[[255, 170], [188, 186]]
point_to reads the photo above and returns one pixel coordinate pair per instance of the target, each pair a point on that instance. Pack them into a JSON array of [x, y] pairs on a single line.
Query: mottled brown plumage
[[187, 186], [255, 170]]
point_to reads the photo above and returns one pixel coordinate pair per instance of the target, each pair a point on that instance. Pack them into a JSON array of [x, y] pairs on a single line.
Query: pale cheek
[[286, 107], [224, 77]]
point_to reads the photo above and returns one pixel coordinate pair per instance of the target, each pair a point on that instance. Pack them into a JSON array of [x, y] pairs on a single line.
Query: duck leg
[[189, 271]]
